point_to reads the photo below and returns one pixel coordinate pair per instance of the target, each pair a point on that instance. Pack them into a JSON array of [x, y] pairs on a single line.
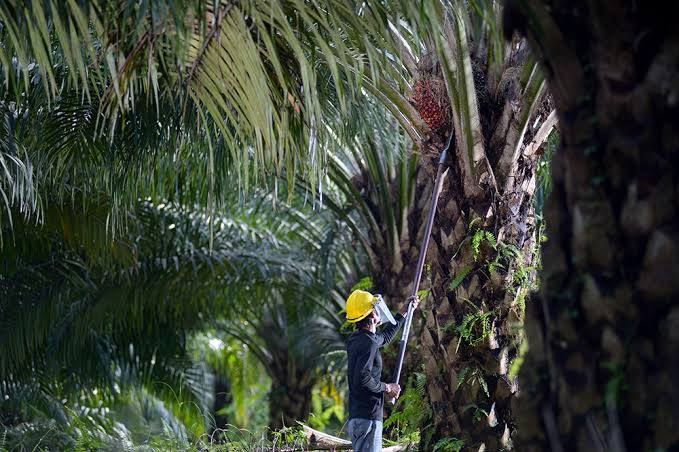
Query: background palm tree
[[295, 332], [72, 321]]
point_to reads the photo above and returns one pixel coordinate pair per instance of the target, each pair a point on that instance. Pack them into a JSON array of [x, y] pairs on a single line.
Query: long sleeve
[[364, 362], [389, 332]]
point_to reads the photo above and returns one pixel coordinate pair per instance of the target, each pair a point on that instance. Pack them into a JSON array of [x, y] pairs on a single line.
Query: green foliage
[[449, 445], [232, 105], [364, 284], [507, 255], [179, 280], [478, 238], [617, 382], [515, 368], [521, 276], [455, 283], [289, 437], [475, 327], [327, 407], [478, 413], [248, 381], [472, 375], [423, 294], [101, 423], [412, 412]]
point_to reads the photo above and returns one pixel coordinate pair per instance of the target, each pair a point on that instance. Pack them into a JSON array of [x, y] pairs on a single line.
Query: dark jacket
[[366, 389]]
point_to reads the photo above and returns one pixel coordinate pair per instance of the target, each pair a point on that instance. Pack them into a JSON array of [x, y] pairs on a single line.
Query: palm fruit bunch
[[431, 100]]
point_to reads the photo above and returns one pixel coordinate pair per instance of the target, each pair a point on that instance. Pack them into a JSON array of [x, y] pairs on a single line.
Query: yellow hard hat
[[359, 305]]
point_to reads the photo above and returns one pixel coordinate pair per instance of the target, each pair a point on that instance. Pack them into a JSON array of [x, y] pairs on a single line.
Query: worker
[[366, 388]]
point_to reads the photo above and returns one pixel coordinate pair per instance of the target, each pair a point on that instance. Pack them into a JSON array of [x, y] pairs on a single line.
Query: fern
[[449, 445], [476, 242], [455, 283], [411, 411], [423, 294], [508, 252], [479, 413], [494, 265], [462, 376], [475, 328], [490, 238]]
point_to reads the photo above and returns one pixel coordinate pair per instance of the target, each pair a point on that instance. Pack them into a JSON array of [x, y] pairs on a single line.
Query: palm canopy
[[241, 89], [238, 78], [75, 316]]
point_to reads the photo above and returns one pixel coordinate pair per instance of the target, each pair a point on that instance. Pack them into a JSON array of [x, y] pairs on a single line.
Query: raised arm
[[389, 332]]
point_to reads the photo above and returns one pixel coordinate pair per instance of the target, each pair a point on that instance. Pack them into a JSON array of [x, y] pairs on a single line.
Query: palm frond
[[532, 89]]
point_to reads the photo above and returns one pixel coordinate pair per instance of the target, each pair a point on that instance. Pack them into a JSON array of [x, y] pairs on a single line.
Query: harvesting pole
[[440, 176]]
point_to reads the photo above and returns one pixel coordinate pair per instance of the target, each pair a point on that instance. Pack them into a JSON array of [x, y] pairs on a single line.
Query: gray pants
[[366, 435]]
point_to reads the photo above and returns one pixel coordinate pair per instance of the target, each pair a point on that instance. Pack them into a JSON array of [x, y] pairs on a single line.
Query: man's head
[[364, 309], [372, 320]]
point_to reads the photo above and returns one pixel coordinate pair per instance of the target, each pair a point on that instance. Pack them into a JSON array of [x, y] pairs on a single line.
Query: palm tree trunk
[[223, 398], [469, 388], [477, 248], [484, 235], [603, 364], [290, 399]]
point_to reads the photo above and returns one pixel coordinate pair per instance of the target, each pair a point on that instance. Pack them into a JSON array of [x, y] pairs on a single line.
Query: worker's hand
[[415, 300], [393, 390]]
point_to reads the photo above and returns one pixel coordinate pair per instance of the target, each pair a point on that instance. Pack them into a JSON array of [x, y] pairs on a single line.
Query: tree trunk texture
[[223, 398], [469, 389], [602, 371], [290, 397]]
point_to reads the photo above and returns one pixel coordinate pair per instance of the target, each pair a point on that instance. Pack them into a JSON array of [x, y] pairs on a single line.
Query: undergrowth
[[48, 436], [412, 413]]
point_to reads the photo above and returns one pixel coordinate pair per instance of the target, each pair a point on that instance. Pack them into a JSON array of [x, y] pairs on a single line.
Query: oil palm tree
[[602, 363], [557, 32], [492, 99], [75, 318], [65, 130], [250, 93], [296, 331]]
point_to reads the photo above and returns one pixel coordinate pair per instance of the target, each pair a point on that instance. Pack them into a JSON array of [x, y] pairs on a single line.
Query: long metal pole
[[420, 262]]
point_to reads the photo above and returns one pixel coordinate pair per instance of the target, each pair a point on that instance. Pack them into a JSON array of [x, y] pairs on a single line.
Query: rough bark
[[470, 390], [459, 372], [290, 398], [223, 398], [603, 364], [484, 192]]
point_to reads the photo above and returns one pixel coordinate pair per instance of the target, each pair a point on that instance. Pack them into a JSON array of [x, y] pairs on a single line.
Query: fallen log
[[322, 441]]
